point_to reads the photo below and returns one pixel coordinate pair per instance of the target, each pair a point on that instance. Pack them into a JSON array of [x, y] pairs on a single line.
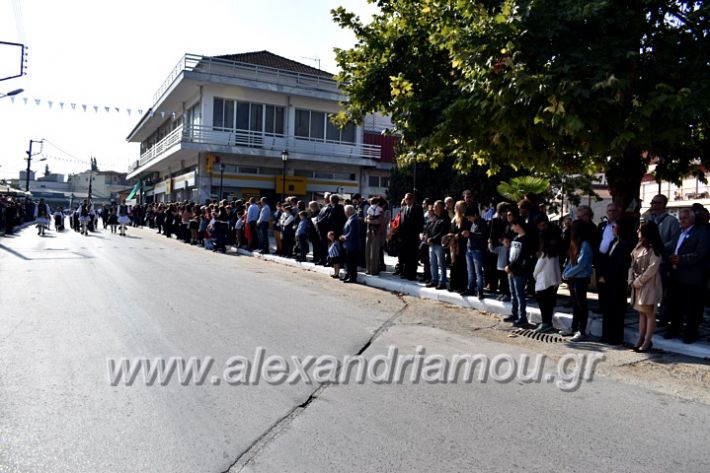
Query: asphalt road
[[70, 303]]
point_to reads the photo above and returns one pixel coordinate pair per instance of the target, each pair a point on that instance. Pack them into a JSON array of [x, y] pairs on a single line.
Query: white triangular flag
[[108, 109], [129, 111], [37, 102], [83, 106], [61, 105], [25, 100], [12, 99], [49, 102], [140, 112], [118, 110], [162, 114], [96, 109], [73, 106]]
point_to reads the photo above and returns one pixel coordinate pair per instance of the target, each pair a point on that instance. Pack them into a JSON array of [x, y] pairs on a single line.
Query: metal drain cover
[[542, 337]]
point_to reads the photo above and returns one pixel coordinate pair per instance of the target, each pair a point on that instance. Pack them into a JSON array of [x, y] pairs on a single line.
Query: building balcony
[[197, 65], [246, 142]]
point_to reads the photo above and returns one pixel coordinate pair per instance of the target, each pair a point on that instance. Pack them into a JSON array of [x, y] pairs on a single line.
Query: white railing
[[173, 138], [228, 68], [277, 142]]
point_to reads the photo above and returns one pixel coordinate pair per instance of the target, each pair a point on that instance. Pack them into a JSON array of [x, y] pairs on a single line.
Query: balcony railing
[[251, 139], [243, 70]]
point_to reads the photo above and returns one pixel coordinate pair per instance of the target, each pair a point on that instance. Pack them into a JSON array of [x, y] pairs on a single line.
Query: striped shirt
[[334, 250]]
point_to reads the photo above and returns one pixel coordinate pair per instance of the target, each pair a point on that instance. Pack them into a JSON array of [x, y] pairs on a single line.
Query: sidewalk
[[562, 318]]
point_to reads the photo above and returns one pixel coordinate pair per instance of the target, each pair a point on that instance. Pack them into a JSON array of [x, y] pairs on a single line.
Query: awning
[[8, 190], [133, 192]]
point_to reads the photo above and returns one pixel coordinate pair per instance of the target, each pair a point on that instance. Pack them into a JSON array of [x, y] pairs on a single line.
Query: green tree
[[554, 87], [439, 182]]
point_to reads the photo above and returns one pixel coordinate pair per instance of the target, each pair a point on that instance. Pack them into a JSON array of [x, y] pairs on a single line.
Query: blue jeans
[[438, 264], [263, 230], [517, 295], [474, 266]]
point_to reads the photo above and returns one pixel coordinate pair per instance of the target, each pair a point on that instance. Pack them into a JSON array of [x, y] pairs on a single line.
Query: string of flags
[[74, 106], [66, 160]]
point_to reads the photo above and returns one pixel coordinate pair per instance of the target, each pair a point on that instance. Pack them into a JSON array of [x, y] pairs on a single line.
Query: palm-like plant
[[518, 187]]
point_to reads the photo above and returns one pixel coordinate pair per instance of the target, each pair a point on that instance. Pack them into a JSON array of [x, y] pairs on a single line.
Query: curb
[[560, 320]]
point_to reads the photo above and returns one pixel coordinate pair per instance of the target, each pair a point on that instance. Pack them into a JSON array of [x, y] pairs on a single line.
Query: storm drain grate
[[542, 337]]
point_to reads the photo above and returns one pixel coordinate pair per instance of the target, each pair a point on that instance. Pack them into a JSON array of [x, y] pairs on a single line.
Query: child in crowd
[[501, 251], [334, 254], [302, 235]]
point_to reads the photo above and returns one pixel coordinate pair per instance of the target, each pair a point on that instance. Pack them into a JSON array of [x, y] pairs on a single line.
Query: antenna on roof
[[314, 59]]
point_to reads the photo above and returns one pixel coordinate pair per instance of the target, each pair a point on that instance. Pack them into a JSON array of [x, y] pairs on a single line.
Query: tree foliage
[[550, 86]]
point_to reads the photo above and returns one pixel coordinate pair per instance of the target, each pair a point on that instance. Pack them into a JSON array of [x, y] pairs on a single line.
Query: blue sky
[[117, 54]]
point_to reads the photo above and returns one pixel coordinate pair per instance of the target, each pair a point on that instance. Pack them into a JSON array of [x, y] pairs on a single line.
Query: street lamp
[[221, 180], [12, 93], [284, 160]]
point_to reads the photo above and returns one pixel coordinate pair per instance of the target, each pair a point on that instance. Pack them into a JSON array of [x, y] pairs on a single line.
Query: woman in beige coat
[[645, 281]]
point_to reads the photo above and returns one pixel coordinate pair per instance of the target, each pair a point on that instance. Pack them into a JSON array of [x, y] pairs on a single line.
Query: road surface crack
[[246, 456]]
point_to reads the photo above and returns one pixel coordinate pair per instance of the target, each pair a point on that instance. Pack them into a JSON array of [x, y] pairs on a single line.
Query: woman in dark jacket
[[612, 270], [220, 229], [457, 246]]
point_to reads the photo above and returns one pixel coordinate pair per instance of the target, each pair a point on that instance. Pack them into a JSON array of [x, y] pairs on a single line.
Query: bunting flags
[[84, 107]]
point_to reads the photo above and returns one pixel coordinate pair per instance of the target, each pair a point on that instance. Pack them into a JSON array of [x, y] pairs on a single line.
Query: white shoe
[[577, 337], [566, 333]]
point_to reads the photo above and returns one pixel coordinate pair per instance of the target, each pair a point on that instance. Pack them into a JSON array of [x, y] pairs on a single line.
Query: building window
[[270, 171], [232, 114], [316, 126], [385, 181], [343, 176], [303, 173], [274, 119], [373, 181], [324, 175], [245, 170], [303, 118]]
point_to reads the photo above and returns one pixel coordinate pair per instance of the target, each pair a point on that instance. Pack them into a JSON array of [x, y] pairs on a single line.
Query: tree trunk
[[624, 175]]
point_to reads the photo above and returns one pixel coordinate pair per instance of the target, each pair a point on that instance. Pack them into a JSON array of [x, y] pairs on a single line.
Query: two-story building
[[242, 123]]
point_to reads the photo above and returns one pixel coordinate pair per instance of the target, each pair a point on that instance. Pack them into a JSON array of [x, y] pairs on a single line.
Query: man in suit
[[323, 226], [688, 278], [410, 226], [351, 242], [337, 215], [668, 228]]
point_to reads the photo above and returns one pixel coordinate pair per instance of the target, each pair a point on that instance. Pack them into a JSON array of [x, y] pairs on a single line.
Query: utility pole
[[29, 161], [91, 176]]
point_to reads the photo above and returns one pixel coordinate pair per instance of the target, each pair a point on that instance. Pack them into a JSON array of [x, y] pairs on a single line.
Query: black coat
[[614, 266]]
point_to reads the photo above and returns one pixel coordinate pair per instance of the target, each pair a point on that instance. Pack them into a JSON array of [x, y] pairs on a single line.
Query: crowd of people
[[509, 251], [12, 214]]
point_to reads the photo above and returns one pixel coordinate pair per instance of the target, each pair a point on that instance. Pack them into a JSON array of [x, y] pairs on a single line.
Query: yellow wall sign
[[295, 185]]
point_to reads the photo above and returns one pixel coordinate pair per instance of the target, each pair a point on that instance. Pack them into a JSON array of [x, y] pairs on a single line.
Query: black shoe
[[670, 334], [431, 284], [440, 287], [468, 292], [510, 319], [690, 338], [644, 350]]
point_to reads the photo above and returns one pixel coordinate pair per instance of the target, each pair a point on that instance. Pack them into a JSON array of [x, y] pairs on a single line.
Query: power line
[[76, 159]]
